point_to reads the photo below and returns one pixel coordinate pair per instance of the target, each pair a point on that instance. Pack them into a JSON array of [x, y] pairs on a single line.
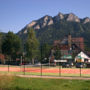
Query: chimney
[[69, 40]]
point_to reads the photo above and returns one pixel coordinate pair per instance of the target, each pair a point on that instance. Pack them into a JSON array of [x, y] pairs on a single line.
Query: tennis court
[[46, 70]]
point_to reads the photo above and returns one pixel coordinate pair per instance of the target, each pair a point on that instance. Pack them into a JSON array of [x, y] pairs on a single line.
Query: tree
[[57, 53], [46, 49], [32, 45], [11, 45], [0, 42]]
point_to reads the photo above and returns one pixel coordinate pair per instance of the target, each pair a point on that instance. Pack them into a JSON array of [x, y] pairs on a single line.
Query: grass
[[18, 83], [39, 73], [43, 74]]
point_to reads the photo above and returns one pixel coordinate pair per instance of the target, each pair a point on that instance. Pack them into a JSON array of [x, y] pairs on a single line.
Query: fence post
[[80, 71], [8, 67], [59, 70], [41, 68], [24, 68]]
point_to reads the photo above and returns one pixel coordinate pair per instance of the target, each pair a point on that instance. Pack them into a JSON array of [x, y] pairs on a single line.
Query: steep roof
[[82, 55]]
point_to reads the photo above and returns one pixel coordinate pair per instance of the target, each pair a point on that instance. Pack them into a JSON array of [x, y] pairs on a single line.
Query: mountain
[[50, 28]]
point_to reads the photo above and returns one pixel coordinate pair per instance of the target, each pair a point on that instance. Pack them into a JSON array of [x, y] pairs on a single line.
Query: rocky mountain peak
[[60, 16], [73, 17], [40, 23], [31, 24], [86, 20], [49, 20], [46, 20]]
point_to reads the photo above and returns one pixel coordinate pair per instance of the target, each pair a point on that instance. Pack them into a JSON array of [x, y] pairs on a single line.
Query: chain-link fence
[[52, 61], [57, 69]]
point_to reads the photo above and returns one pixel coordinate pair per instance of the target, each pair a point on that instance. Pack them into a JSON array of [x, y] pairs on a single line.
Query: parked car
[[67, 65], [80, 65]]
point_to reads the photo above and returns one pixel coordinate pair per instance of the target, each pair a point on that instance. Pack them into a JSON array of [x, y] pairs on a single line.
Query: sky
[[15, 14]]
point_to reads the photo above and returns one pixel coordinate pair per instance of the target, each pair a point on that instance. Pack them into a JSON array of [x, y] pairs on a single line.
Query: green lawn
[[18, 83]]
